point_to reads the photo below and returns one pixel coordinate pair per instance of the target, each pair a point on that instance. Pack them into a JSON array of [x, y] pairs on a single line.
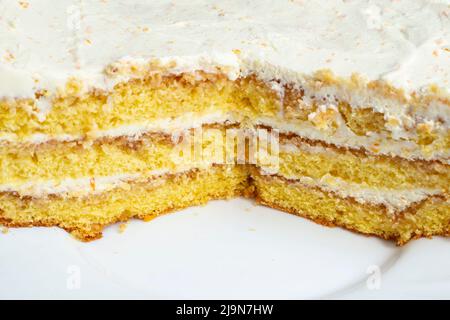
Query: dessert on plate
[[337, 111]]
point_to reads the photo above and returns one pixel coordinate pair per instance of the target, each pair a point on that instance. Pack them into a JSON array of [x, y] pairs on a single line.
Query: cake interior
[[163, 143]]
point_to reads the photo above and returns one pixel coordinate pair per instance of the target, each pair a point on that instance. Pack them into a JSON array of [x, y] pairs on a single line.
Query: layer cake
[[337, 111]]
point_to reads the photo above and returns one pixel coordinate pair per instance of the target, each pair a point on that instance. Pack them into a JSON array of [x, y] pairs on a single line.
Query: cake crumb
[[92, 183], [123, 227], [149, 217], [9, 57], [24, 4], [5, 230]]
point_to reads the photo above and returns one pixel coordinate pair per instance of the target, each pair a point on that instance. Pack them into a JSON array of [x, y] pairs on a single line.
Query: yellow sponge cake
[[337, 111]]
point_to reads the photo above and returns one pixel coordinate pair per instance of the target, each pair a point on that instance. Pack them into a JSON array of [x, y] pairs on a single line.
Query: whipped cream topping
[[44, 43]]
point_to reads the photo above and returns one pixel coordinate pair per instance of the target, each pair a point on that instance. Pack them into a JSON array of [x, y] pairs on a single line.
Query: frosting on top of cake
[[43, 43]]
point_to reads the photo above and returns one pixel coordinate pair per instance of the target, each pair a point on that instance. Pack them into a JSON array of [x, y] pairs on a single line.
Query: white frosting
[[45, 42]]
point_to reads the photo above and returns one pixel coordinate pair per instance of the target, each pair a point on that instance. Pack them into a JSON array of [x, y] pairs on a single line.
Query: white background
[[227, 249]]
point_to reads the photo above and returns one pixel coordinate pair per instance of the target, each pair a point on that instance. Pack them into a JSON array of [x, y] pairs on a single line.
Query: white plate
[[227, 249]]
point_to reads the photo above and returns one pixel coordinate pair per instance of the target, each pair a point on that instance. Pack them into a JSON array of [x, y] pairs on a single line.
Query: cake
[[336, 111]]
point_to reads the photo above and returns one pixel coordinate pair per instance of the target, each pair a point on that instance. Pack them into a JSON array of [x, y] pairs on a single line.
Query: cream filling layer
[[163, 125], [343, 137], [395, 200], [79, 187]]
